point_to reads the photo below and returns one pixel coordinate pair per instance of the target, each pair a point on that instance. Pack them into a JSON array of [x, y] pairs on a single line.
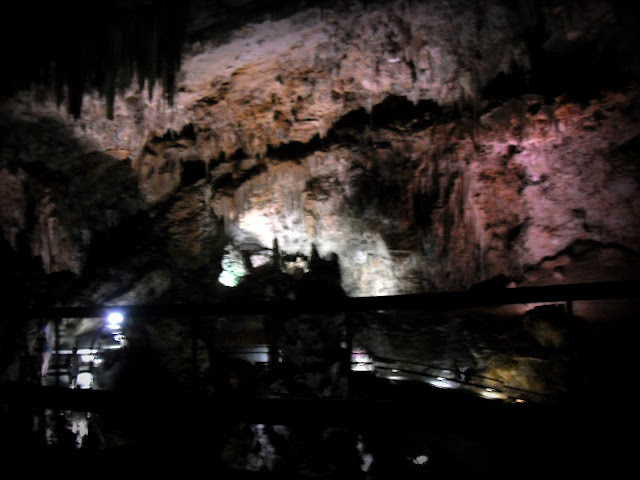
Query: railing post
[[57, 349], [195, 374], [349, 334], [571, 339]]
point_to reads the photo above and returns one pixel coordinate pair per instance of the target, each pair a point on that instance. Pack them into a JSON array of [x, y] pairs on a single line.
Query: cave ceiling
[[425, 145]]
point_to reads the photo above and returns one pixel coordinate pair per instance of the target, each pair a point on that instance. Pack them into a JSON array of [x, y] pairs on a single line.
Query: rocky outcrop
[[406, 146], [452, 204], [412, 146], [422, 146]]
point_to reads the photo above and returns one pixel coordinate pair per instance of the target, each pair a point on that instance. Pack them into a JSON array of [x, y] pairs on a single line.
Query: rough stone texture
[[521, 356], [393, 146], [296, 77], [309, 131], [423, 146], [445, 209]]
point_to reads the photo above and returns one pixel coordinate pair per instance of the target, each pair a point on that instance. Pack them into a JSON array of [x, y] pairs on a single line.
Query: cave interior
[[320, 239]]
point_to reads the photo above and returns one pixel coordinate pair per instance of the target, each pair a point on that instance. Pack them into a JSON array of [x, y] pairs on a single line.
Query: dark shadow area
[[295, 150], [115, 245], [91, 200], [391, 427], [602, 58], [65, 50], [506, 85], [400, 112], [192, 171], [354, 120]]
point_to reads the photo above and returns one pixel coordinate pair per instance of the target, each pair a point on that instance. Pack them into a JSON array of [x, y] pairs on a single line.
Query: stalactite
[[59, 85], [286, 181], [99, 53], [110, 94]]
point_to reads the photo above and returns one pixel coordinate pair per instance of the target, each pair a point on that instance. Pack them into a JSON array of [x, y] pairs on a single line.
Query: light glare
[[84, 380], [492, 394], [442, 382], [115, 318], [228, 279]]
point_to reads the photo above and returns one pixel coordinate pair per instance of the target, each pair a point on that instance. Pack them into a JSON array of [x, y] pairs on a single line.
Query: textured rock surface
[[411, 148], [379, 144], [423, 146]]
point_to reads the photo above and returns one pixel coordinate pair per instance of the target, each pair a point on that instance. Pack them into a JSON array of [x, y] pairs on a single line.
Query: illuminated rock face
[[400, 136], [422, 145]]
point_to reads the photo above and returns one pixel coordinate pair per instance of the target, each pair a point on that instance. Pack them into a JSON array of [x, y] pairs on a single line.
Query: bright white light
[[228, 279], [361, 357], [259, 224], [87, 358], [84, 380], [113, 326], [115, 318], [394, 370], [362, 367], [492, 394], [361, 362], [442, 382], [420, 460], [233, 268]]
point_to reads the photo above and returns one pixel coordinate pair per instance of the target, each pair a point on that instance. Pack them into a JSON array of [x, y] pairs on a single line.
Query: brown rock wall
[[360, 128]]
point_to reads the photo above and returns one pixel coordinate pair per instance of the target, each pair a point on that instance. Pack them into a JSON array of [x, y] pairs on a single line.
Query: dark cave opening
[[110, 247], [192, 171], [354, 120], [399, 110], [295, 150], [392, 112], [507, 85]]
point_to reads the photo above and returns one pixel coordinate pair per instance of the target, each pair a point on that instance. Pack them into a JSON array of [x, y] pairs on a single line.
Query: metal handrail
[[475, 297], [429, 301]]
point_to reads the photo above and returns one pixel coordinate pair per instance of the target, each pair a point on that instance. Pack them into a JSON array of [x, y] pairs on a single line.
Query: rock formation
[[421, 146], [432, 147]]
